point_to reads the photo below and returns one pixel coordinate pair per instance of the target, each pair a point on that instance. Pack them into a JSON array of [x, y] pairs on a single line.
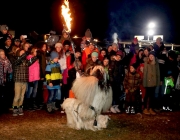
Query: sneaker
[[49, 108], [146, 111], [20, 111], [113, 109], [117, 109], [151, 111], [132, 110], [54, 106], [128, 110], [15, 112], [169, 109]]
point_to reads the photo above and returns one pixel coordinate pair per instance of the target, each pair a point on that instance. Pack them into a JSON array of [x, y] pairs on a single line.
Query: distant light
[[46, 40], [151, 25], [95, 40], [75, 36], [150, 32]]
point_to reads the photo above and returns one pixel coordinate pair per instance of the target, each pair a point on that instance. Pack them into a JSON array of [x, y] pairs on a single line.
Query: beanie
[[134, 65], [58, 44], [94, 54], [53, 55], [119, 53], [152, 53], [135, 39], [88, 33], [3, 27]]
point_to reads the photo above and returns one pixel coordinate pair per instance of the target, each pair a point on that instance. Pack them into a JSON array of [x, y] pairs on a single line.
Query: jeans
[[159, 94], [32, 89], [53, 93], [159, 91]]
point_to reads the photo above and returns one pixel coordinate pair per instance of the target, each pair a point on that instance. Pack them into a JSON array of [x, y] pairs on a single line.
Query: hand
[[50, 84], [60, 84]]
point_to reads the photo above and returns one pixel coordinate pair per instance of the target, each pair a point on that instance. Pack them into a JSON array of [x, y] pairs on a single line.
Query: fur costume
[[93, 96]]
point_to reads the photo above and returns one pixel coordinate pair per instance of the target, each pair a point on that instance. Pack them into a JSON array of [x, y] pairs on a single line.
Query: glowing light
[[151, 25], [150, 32], [95, 40], [75, 36], [67, 15]]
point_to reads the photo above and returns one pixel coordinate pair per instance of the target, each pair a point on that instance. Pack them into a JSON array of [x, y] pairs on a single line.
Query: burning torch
[[67, 26]]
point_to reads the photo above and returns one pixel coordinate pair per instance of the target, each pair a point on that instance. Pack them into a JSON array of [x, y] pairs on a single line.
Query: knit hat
[[58, 44], [135, 39], [141, 50], [88, 33], [119, 53], [53, 55], [152, 53], [94, 54], [52, 32], [134, 65], [3, 27], [17, 40]]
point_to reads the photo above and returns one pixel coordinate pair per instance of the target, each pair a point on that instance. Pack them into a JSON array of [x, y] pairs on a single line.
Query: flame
[[67, 15]]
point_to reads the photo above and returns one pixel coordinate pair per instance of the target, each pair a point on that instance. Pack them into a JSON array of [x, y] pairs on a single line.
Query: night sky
[[103, 17]]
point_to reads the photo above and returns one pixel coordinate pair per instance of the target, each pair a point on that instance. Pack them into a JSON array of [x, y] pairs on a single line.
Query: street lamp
[[151, 25], [150, 33]]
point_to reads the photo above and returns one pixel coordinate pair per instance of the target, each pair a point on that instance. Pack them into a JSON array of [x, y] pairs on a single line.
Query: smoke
[[129, 18], [121, 18]]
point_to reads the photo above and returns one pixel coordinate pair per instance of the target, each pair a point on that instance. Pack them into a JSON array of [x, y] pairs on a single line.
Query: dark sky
[[103, 17]]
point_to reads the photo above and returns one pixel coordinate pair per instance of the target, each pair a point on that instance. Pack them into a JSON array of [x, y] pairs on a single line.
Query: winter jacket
[[151, 74], [132, 82], [34, 70], [53, 75]]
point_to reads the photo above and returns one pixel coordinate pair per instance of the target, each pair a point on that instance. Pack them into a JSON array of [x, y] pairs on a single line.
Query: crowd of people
[[40, 76]]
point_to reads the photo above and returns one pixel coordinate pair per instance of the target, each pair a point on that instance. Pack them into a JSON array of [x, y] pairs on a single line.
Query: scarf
[[5, 68]]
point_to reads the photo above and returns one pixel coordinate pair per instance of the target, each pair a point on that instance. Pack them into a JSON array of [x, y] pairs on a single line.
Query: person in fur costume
[[93, 95]]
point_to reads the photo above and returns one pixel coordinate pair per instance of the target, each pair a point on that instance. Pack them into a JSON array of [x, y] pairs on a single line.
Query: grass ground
[[39, 125]]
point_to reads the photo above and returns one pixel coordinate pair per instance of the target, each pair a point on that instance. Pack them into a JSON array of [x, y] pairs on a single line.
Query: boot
[[132, 110], [117, 109], [54, 106], [21, 110], [49, 107], [15, 111], [146, 111], [128, 109], [113, 109], [34, 104], [151, 111]]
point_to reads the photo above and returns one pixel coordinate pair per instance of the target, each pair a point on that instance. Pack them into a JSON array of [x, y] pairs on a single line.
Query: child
[[21, 77], [5, 76], [34, 77], [54, 80], [131, 83]]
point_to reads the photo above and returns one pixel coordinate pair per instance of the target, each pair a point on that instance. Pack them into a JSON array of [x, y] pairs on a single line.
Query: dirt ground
[[39, 125]]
